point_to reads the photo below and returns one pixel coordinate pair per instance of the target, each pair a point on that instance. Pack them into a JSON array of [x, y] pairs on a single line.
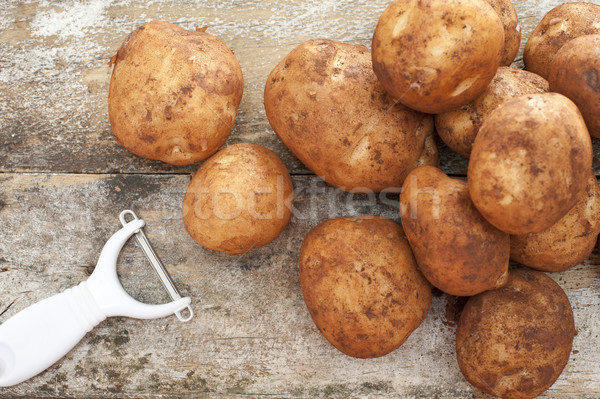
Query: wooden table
[[64, 179]]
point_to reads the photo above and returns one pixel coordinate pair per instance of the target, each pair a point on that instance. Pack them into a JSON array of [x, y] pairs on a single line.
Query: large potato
[[326, 105], [512, 30], [173, 93], [566, 243], [437, 55], [574, 73], [514, 342], [530, 161], [559, 26], [458, 128], [240, 199], [361, 285], [457, 250]]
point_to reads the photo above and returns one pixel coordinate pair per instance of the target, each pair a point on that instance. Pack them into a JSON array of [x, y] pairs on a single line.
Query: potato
[[559, 26], [574, 73], [173, 93], [241, 198], [325, 103], [514, 342], [568, 242], [361, 285], [512, 30], [530, 161], [456, 249], [458, 128], [437, 55]]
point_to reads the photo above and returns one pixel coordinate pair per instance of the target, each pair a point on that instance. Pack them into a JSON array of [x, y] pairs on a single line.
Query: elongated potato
[[361, 285], [512, 30], [456, 249], [325, 103]]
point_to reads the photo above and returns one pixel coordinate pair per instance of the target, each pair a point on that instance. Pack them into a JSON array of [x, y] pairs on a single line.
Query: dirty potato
[[559, 26], [530, 161], [437, 55], [240, 199], [514, 342], [566, 243], [456, 249], [173, 93], [458, 128], [361, 285], [326, 105], [512, 30], [574, 73]]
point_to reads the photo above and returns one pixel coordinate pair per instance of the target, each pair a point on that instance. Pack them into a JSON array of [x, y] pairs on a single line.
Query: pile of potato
[[364, 120]]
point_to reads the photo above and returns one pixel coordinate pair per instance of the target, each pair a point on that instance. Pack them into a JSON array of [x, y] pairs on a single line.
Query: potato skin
[[325, 103], [512, 30], [515, 341], [574, 73], [173, 93], [240, 199], [530, 161], [559, 26], [361, 285], [568, 242], [458, 128], [456, 249], [437, 55]]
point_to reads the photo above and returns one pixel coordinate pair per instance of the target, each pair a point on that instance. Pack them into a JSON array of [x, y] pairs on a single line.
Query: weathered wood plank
[[252, 335], [54, 74]]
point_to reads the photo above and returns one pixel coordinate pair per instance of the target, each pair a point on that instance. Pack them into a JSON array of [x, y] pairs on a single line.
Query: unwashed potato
[[512, 30], [458, 128], [456, 249], [240, 199], [568, 242], [530, 162], [173, 93], [325, 103], [574, 73], [559, 26], [361, 285], [515, 341], [437, 55]]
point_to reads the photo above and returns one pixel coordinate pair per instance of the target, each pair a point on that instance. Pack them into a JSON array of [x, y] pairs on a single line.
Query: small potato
[[325, 103], [173, 93], [515, 341], [530, 162], [459, 128], [574, 73], [512, 30], [361, 285], [568, 242], [437, 55], [456, 249], [240, 199], [559, 26]]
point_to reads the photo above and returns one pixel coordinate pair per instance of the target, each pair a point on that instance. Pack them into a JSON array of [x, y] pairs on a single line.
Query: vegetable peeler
[[39, 336]]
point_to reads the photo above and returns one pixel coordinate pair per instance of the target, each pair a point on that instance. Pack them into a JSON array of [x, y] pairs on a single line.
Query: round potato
[[361, 285], [241, 198], [325, 103], [437, 55], [559, 26], [574, 73], [512, 30], [515, 341], [173, 93], [530, 161], [459, 128], [568, 242], [456, 249]]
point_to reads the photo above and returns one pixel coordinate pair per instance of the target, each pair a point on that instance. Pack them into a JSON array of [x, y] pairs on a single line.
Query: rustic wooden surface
[[63, 180]]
